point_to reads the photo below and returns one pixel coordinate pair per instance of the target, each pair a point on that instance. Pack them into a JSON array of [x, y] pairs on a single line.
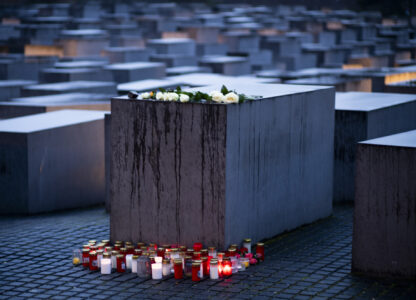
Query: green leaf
[[178, 89], [162, 90], [224, 90]]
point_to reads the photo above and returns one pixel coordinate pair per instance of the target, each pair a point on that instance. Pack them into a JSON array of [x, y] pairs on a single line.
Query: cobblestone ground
[[311, 262]]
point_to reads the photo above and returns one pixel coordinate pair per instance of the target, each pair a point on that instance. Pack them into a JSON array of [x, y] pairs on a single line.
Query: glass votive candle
[[158, 259], [196, 271], [129, 249], [76, 257], [166, 267], [197, 255], [143, 266], [106, 264], [213, 269], [117, 246], [190, 252], [197, 247], [177, 268], [114, 254], [260, 251], [247, 245], [226, 267], [234, 264], [204, 253], [160, 252], [188, 266], [121, 265], [134, 263], [205, 266], [99, 257], [201, 268], [93, 261], [139, 245], [138, 252], [233, 246], [244, 263], [86, 257], [86, 246], [152, 246], [129, 258], [212, 252], [157, 271], [106, 242], [108, 249]]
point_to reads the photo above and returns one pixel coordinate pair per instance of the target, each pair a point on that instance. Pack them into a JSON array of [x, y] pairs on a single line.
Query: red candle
[[121, 264], [196, 268], [93, 261], [177, 268], [197, 247], [197, 255], [260, 251], [205, 266], [161, 252], [85, 257], [226, 266]]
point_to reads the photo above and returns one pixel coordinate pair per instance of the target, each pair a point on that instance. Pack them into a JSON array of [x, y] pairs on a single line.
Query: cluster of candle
[[151, 261]]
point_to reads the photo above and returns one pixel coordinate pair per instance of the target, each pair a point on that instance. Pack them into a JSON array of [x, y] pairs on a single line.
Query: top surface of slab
[[58, 99], [10, 83], [203, 79], [134, 65], [171, 41], [62, 86], [83, 32], [146, 85], [49, 120], [81, 64], [404, 139], [362, 101], [223, 59]]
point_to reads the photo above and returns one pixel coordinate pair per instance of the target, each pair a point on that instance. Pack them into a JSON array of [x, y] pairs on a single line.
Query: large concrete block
[[127, 72], [242, 42], [11, 88], [173, 46], [126, 54], [175, 60], [227, 65], [74, 74], [362, 116], [51, 161], [384, 232], [214, 173], [83, 42], [19, 107], [96, 87]]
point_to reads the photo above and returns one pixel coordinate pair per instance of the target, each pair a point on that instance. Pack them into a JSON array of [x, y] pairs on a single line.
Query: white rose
[[145, 95], [173, 97], [217, 96], [159, 96], [184, 98], [165, 96], [231, 98]]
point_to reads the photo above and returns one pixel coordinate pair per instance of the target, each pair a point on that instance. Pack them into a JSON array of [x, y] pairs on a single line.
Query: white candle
[[105, 266], [247, 244], [213, 272], [158, 259], [99, 258], [128, 261], [166, 269], [156, 271], [113, 262], [134, 266]]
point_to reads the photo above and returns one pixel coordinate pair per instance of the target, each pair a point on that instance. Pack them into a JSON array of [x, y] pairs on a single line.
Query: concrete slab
[[134, 71], [70, 87]]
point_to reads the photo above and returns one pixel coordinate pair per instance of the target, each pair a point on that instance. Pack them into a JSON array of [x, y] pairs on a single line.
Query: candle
[[212, 252], [244, 263], [121, 265], [85, 257], [158, 259], [129, 258], [260, 251], [93, 261], [213, 270], [177, 267], [157, 271], [234, 264], [114, 259], [196, 271], [247, 245], [143, 266], [76, 257], [205, 266], [106, 264], [166, 267], [134, 263], [99, 257], [188, 266], [226, 266]]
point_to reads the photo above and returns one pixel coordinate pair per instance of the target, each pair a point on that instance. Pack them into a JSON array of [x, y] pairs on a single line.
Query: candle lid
[[138, 251], [115, 252], [118, 242], [213, 261], [92, 241], [120, 256], [100, 251], [85, 250], [226, 259], [177, 261], [105, 241], [260, 244], [108, 248], [211, 248], [129, 247], [196, 264], [93, 253], [128, 243], [123, 249], [247, 240], [204, 258], [167, 261], [135, 257], [233, 246], [106, 255]]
